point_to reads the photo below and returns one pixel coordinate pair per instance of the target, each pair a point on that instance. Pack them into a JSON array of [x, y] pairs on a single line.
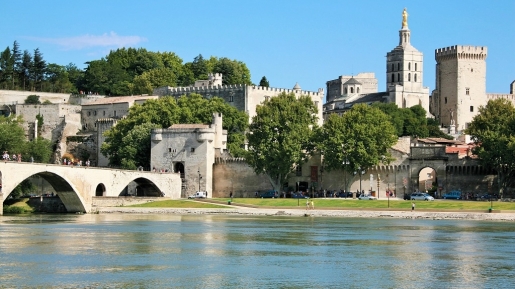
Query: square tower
[[460, 85]]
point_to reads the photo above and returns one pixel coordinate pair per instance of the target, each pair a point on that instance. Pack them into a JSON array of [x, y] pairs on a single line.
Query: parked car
[[200, 195], [453, 195], [407, 196], [421, 197], [299, 196], [367, 197], [268, 194]]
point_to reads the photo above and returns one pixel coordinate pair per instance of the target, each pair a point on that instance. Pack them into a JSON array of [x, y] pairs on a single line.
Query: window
[[467, 91], [393, 67], [409, 65], [409, 76], [267, 98], [415, 66], [95, 112], [472, 70], [346, 90], [445, 100], [471, 108], [316, 103], [192, 150], [357, 90], [352, 90], [393, 77], [398, 66], [231, 96], [415, 77], [298, 171], [115, 113], [398, 77], [104, 113], [89, 113]]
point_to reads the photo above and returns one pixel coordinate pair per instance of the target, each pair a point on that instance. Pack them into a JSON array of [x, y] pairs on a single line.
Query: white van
[[200, 195]]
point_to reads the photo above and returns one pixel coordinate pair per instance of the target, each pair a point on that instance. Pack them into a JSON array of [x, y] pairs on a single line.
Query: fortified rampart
[[461, 52]]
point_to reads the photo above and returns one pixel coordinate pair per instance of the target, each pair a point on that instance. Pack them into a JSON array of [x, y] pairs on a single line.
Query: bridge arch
[[100, 190], [65, 190]]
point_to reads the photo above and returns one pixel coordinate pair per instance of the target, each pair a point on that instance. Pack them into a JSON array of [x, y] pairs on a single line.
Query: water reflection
[[204, 251]]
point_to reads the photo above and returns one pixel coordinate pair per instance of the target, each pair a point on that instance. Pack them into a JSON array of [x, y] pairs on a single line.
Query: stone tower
[[460, 85], [404, 72]]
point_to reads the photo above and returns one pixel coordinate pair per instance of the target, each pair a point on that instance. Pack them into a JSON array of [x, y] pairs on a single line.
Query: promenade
[[344, 213]]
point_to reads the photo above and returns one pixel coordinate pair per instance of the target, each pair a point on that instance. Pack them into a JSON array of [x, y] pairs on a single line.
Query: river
[[217, 251]]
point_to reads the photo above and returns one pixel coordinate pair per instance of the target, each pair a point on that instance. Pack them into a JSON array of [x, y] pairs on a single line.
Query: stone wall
[[234, 174], [19, 96]]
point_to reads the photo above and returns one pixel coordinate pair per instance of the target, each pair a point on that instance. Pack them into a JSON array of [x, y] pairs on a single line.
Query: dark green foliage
[[14, 210], [25, 188], [32, 99], [39, 149], [12, 136], [281, 136], [264, 82], [493, 130], [361, 137]]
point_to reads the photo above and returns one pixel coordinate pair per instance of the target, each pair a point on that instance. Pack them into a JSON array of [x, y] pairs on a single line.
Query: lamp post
[[360, 172], [199, 178], [345, 163]]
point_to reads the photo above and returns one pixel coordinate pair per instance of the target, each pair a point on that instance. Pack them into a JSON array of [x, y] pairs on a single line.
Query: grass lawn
[[178, 204], [375, 204]]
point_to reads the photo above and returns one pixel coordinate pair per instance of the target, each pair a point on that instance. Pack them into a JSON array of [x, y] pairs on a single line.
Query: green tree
[[199, 67], [38, 69], [15, 64], [264, 82], [233, 71], [357, 140], [32, 99], [5, 68], [25, 68], [280, 136], [39, 149], [12, 136], [493, 131]]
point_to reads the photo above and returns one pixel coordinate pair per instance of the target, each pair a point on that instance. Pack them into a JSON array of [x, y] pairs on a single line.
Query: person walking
[[412, 206], [312, 205]]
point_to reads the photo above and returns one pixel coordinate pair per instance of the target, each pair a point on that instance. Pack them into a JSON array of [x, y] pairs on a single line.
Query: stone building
[[244, 97], [404, 74], [189, 149], [461, 86]]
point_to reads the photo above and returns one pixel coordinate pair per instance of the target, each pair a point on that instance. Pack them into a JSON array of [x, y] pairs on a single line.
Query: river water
[[204, 251]]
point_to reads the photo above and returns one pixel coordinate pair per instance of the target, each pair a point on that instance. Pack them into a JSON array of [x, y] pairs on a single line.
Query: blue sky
[[309, 42]]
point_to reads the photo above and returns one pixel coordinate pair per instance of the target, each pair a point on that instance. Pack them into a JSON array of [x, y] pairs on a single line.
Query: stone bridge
[[76, 186]]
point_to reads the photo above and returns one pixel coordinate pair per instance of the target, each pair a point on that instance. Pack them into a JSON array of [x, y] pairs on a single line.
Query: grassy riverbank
[[439, 205]]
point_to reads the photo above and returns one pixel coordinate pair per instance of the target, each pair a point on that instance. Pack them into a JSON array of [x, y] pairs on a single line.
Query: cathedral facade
[[404, 74]]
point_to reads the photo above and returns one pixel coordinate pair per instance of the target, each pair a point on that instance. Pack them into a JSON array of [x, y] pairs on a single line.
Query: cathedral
[[404, 74]]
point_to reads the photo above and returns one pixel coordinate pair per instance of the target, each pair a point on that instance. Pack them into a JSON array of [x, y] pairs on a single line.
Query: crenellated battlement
[[215, 88], [461, 52]]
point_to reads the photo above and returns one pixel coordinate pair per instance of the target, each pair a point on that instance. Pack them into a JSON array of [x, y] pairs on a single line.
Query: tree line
[[124, 71]]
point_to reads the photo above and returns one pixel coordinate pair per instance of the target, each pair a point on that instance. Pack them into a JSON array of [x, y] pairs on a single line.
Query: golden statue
[[404, 18]]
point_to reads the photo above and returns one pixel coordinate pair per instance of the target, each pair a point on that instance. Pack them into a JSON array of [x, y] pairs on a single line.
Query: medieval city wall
[[235, 175], [18, 96]]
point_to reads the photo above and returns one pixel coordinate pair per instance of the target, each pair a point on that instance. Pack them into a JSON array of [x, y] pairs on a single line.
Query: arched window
[[415, 77], [409, 65], [346, 90], [393, 77], [415, 66], [409, 76], [352, 90], [357, 90], [399, 77]]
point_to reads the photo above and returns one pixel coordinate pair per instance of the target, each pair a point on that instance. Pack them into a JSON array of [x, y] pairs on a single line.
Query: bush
[[14, 210]]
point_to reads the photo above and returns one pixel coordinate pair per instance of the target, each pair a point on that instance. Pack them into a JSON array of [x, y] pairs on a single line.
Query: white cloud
[[87, 41]]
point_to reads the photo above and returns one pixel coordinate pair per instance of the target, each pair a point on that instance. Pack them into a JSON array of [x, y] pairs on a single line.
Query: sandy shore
[[314, 213]]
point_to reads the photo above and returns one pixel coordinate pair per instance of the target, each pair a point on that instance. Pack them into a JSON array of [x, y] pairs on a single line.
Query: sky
[[288, 41]]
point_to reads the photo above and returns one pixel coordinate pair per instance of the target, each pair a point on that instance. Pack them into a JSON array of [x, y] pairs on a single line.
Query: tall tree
[[264, 82], [493, 131], [199, 67], [357, 140], [5, 68], [233, 71], [280, 136], [38, 69], [25, 69], [15, 63]]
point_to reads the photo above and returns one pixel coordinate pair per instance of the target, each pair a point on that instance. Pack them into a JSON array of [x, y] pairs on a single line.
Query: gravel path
[[313, 213]]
